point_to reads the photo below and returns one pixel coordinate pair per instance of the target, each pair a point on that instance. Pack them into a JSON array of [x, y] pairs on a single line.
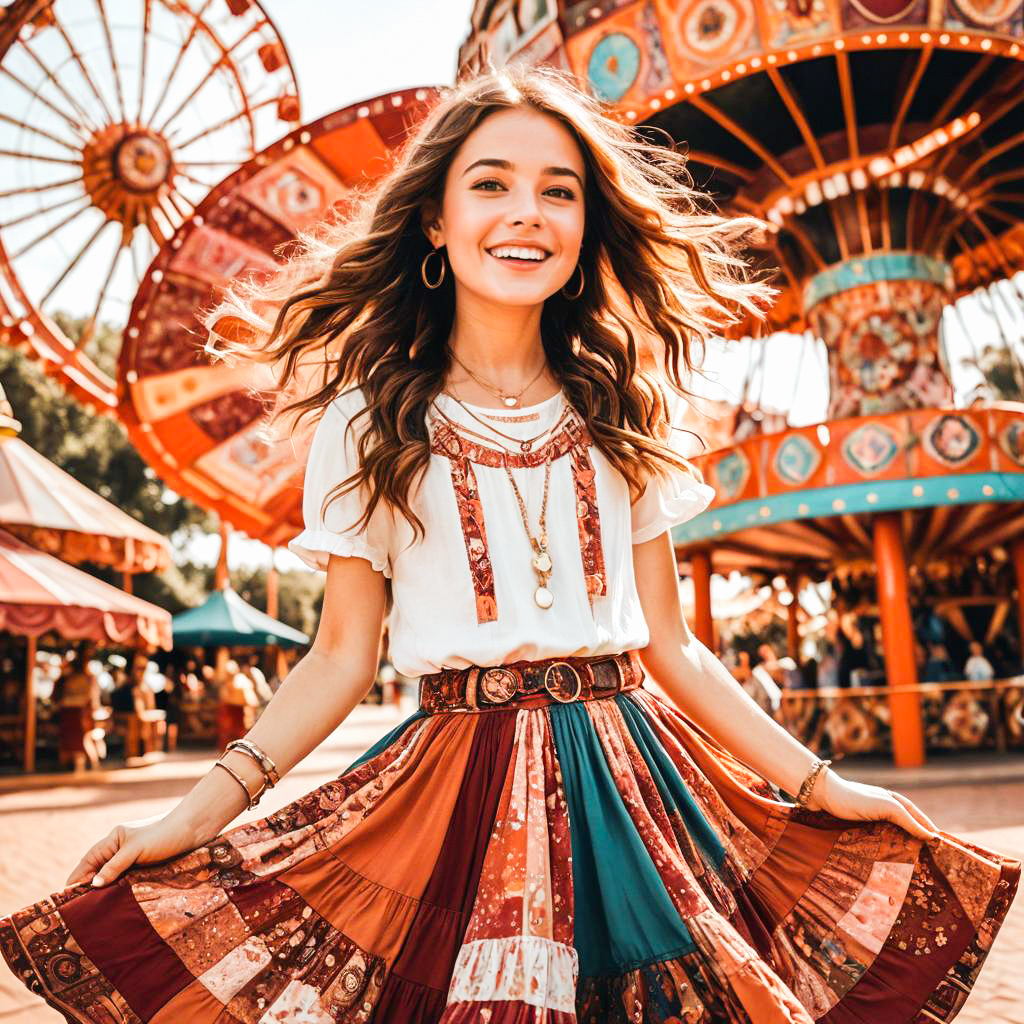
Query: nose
[[524, 210]]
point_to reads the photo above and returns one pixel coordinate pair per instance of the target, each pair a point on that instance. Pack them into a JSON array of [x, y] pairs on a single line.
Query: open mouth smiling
[[519, 254]]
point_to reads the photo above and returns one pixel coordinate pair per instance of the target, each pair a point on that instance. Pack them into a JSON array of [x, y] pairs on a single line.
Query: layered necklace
[[507, 398], [541, 559]]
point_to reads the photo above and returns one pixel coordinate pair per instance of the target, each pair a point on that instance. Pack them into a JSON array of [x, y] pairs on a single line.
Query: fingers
[[901, 815], [97, 855], [100, 854], [916, 812], [113, 868]]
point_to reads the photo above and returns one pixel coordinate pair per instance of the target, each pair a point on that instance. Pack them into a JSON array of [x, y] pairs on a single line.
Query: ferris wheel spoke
[[74, 263], [144, 57], [208, 163], [34, 93], [50, 229], [86, 74], [87, 121], [173, 199], [211, 72], [182, 50], [221, 124], [179, 173], [26, 190], [115, 68], [90, 325], [21, 155], [37, 131], [42, 211]]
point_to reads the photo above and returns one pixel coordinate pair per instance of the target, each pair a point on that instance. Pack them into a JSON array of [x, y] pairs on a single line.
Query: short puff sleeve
[[333, 457], [669, 499]]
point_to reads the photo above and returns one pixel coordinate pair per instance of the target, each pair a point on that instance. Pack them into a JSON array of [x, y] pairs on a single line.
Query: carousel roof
[[52, 511], [40, 594], [852, 127], [197, 422], [225, 619]]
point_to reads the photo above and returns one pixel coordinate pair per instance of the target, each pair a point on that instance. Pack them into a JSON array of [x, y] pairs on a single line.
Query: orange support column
[[898, 639], [792, 622], [1017, 554], [703, 624]]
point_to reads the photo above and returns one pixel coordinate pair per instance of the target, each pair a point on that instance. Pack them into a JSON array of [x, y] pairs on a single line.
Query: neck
[[502, 344]]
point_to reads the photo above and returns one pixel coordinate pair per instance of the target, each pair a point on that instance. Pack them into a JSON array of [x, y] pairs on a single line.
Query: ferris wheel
[[115, 121]]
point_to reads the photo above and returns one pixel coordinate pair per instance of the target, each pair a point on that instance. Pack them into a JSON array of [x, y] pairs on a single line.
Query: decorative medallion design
[[713, 30], [870, 448], [613, 66], [951, 439], [731, 473], [1011, 440], [796, 459]]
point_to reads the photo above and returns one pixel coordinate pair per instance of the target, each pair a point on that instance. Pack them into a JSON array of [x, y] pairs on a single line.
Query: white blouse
[[435, 620]]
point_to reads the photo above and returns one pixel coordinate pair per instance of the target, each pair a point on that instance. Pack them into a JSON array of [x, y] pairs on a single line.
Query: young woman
[[546, 839]]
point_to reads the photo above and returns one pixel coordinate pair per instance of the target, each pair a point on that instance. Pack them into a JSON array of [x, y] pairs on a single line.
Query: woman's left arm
[[701, 686]]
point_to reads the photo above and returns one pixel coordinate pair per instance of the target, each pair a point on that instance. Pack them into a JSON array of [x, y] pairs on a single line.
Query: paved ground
[[47, 823]]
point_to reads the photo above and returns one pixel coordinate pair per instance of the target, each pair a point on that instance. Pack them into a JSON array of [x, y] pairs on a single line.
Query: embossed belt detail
[[564, 680]]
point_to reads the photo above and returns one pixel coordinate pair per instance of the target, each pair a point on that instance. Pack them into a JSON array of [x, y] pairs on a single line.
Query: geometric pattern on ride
[[195, 421]]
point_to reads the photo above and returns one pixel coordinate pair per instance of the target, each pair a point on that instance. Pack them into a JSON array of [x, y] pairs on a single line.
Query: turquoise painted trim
[[624, 916], [877, 496], [897, 265]]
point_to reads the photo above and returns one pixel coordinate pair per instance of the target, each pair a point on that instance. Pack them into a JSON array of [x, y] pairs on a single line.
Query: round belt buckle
[[555, 693], [498, 685]]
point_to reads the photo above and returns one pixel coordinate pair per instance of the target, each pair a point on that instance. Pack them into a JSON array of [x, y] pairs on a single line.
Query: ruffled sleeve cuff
[[315, 548], [667, 503]]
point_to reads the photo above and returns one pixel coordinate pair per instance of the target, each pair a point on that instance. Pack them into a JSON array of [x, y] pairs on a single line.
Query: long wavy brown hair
[[348, 307]]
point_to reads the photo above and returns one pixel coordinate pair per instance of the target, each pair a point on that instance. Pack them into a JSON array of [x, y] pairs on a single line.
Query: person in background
[[236, 693], [978, 668], [168, 700], [77, 696]]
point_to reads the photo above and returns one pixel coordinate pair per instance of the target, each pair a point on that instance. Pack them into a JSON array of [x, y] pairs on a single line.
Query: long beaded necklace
[[508, 398], [541, 560]]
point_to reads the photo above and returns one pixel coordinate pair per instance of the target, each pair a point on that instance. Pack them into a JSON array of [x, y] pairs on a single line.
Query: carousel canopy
[[225, 619], [40, 593], [52, 511]]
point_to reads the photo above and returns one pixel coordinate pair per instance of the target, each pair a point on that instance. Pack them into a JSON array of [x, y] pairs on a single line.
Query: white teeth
[[518, 252]]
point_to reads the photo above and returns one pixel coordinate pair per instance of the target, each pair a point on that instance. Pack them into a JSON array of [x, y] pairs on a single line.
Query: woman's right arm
[[314, 699]]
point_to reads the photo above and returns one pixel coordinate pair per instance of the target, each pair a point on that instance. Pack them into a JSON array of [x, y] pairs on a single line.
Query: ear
[[432, 224]]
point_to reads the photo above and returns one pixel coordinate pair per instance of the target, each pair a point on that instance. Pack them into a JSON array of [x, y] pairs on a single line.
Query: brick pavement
[[46, 824]]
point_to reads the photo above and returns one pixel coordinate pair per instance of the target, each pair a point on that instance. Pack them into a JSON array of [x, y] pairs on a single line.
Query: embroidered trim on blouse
[[462, 452]]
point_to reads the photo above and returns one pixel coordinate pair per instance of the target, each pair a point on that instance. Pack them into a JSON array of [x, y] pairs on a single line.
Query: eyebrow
[[506, 165]]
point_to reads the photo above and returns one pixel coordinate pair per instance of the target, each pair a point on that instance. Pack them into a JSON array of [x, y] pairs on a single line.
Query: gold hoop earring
[[423, 269], [579, 291]]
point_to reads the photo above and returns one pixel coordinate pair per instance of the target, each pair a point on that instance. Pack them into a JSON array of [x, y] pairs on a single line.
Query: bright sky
[[349, 50]]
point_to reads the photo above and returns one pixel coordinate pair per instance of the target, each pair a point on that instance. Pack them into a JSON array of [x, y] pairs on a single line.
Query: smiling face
[[512, 213]]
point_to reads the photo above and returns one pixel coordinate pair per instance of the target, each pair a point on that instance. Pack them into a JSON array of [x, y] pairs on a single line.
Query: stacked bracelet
[[808, 784], [267, 766]]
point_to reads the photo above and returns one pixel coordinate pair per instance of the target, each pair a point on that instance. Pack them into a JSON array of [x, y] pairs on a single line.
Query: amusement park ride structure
[[881, 142]]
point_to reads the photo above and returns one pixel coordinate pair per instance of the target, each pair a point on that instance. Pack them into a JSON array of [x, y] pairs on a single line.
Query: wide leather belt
[[530, 683]]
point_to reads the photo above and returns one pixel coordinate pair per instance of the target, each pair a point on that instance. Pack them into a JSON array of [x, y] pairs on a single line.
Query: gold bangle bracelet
[[260, 756], [251, 800], [808, 784]]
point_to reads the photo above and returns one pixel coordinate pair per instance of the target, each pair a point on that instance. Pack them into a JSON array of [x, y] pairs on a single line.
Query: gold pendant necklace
[[508, 399], [541, 560]]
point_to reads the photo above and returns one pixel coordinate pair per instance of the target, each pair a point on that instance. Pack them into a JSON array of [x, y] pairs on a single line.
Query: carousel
[[883, 145]]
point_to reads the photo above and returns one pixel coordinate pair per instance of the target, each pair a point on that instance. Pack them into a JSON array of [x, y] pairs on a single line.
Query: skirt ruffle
[[587, 863]]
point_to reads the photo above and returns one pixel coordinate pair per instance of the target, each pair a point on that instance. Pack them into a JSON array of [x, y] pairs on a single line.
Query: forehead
[[526, 138]]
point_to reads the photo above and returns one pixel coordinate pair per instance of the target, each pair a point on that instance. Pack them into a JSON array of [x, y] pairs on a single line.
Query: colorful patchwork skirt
[[597, 862]]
